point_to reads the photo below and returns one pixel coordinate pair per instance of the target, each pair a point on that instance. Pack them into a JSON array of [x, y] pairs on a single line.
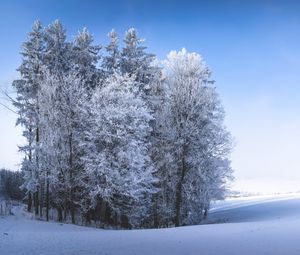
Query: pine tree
[[58, 55], [85, 57], [111, 62], [27, 103], [136, 62]]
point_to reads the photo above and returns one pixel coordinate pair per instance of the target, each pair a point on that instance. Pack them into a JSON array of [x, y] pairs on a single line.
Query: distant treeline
[[10, 184]]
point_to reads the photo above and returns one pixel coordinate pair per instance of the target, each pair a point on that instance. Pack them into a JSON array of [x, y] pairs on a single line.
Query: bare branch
[[9, 98], [5, 106]]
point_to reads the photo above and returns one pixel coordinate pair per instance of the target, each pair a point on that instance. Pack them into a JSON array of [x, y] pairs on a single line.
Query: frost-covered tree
[[61, 100], [10, 183], [137, 62], [85, 57], [111, 62], [27, 104], [127, 144], [117, 157], [58, 55], [196, 144]]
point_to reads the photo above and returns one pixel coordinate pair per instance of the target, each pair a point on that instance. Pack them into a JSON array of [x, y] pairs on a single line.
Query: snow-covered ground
[[259, 225]]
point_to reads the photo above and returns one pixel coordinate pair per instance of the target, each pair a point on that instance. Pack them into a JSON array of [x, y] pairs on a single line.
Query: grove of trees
[[115, 136], [10, 185]]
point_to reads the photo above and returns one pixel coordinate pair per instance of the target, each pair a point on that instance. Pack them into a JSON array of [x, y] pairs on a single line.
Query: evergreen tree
[[85, 57], [136, 62], [111, 62], [58, 52], [27, 104]]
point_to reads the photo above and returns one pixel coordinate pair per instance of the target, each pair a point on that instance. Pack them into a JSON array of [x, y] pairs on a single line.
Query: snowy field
[[258, 225]]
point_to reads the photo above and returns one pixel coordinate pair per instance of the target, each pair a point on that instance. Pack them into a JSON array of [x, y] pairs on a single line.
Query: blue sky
[[252, 48]]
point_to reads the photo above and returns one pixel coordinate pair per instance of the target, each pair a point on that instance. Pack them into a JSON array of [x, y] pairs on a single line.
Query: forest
[[116, 137]]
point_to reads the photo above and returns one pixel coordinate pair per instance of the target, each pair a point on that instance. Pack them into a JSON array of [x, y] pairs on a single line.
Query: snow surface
[[259, 225]]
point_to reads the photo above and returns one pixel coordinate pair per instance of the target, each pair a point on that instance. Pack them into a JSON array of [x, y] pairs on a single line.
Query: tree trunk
[[65, 211], [40, 189], [87, 216], [115, 218], [36, 202], [155, 211], [59, 214], [72, 209], [29, 208], [178, 199], [205, 213], [41, 201], [47, 199], [72, 213], [103, 211], [29, 202]]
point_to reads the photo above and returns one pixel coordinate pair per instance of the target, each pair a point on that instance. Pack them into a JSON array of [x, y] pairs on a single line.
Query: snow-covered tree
[[117, 157], [85, 57], [10, 183], [133, 143], [137, 62], [58, 55], [195, 164], [111, 62], [27, 104], [61, 100]]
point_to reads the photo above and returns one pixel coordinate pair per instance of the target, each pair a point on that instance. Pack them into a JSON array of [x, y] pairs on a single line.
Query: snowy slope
[[261, 226], [256, 209]]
